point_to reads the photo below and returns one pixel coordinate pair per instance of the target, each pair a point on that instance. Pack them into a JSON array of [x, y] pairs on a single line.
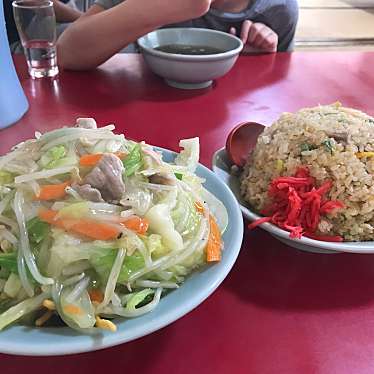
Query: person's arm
[[64, 13], [99, 34]]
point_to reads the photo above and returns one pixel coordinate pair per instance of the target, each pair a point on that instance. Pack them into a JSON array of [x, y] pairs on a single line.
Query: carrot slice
[[136, 224], [90, 159], [90, 228], [96, 295], [93, 159], [73, 309], [214, 246], [199, 207], [52, 191], [95, 230]]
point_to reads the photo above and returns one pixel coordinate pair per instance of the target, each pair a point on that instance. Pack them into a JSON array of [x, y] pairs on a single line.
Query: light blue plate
[[222, 166], [32, 341]]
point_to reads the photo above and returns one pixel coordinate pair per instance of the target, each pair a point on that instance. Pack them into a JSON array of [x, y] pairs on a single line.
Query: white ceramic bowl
[[190, 71], [222, 166]]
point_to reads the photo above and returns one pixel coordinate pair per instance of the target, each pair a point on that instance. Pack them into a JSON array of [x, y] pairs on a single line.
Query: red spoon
[[242, 140]]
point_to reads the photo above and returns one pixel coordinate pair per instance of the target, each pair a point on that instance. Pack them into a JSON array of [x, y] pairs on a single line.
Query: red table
[[280, 310]]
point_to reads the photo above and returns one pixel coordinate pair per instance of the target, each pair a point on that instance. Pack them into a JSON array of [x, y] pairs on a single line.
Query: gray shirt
[[280, 15]]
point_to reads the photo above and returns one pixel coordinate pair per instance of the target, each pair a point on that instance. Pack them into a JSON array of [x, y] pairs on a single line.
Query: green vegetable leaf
[[328, 145], [139, 299], [9, 261], [179, 176], [103, 265], [52, 158], [6, 177], [155, 246], [134, 161], [304, 147], [37, 230]]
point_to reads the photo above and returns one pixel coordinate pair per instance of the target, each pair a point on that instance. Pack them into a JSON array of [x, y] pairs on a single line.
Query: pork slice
[[106, 176], [87, 192], [162, 178]]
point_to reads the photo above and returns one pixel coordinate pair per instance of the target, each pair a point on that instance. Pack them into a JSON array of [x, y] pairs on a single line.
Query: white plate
[[221, 166]]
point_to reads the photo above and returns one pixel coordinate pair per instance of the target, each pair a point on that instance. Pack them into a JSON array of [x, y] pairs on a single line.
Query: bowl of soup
[[190, 58]]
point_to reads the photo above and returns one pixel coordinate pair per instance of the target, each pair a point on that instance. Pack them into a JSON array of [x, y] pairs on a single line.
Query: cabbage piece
[[74, 211], [189, 156], [107, 146], [6, 177], [136, 197], [193, 181], [160, 222], [52, 157], [65, 250], [185, 216], [134, 160], [103, 262], [155, 246]]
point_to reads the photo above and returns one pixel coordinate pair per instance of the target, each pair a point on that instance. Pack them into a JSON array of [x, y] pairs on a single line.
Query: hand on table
[[257, 37]]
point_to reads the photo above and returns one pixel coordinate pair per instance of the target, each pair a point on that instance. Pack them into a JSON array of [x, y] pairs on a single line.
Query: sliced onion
[[24, 247], [77, 290], [43, 174], [22, 273], [139, 311], [155, 284], [112, 280], [9, 222]]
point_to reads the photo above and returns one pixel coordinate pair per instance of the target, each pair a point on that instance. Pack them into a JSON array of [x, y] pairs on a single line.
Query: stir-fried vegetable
[[96, 226]]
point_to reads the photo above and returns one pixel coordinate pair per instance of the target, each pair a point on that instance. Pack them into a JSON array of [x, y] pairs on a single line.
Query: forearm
[[99, 34], [64, 13], [92, 40]]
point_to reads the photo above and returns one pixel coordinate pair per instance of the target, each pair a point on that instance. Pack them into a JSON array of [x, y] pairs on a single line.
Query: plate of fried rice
[[310, 180]]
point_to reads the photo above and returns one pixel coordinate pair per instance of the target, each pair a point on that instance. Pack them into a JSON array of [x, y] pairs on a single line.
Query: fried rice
[[335, 143]]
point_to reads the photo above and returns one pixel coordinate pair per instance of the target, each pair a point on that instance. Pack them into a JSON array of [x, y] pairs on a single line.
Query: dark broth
[[186, 49]]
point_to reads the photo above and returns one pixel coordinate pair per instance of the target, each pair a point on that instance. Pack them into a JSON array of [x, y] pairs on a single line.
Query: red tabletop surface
[[280, 310]]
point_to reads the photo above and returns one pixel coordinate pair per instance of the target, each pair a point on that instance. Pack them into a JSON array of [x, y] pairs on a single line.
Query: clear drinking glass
[[36, 25]]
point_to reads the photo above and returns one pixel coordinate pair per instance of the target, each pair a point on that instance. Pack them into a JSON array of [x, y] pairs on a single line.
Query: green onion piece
[[328, 145], [179, 176]]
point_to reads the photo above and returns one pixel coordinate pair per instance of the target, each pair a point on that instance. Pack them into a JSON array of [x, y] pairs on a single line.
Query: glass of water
[[36, 25]]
